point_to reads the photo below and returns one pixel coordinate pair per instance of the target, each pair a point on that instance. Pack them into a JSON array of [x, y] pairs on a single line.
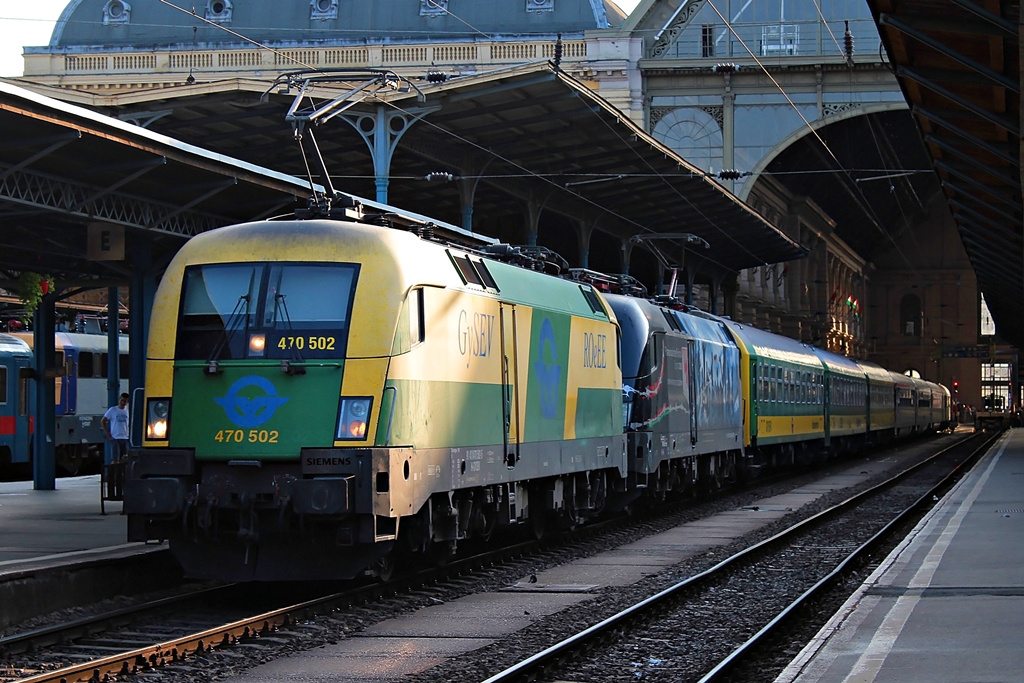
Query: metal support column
[[113, 365], [381, 130], [140, 298], [44, 458]]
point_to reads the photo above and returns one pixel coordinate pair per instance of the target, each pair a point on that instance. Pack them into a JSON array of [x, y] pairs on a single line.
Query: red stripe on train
[[8, 423]]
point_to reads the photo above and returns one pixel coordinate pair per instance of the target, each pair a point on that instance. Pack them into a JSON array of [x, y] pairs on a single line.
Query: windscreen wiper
[[234, 323], [286, 365]]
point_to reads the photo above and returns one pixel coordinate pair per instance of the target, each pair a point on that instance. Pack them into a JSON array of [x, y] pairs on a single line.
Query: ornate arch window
[[116, 12], [910, 316], [218, 10], [323, 9], [695, 133]]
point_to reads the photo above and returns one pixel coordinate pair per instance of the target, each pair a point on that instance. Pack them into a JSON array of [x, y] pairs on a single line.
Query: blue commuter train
[[15, 404], [80, 399]]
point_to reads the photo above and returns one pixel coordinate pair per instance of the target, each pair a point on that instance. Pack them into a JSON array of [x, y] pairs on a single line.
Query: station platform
[[56, 546], [35, 525], [947, 605]]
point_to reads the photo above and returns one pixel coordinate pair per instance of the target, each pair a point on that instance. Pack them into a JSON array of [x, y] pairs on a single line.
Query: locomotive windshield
[[295, 311]]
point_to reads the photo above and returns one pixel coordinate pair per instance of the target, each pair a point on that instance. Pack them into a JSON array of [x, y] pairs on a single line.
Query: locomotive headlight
[[158, 413], [257, 344], [352, 417]]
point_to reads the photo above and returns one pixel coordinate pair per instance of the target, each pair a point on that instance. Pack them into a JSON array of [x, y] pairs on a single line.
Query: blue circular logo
[[251, 412]]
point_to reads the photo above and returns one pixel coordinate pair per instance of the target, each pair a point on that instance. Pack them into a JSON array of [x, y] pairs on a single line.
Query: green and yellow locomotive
[[323, 397]]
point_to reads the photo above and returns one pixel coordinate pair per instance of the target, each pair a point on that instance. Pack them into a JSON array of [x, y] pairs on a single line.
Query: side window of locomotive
[[466, 270], [592, 300], [485, 275], [3, 384], [618, 348], [417, 324]]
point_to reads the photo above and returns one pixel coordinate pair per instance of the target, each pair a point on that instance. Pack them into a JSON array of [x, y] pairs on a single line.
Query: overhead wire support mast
[[304, 118]]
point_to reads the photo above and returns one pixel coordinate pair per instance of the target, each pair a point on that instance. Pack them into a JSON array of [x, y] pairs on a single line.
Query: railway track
[[171, 636], [732, 621]]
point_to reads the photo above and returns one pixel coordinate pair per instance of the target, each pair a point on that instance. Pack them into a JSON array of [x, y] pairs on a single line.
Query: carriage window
[[123, 366], [23, 396], [3, 385], [85, 364]]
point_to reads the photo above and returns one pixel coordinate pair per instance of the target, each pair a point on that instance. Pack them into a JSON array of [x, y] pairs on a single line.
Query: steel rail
[[534, 667], [735, 657]]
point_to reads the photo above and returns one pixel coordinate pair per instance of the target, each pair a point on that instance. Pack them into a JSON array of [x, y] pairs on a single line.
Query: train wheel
[[438, 553], [538, 526], [385, 567]]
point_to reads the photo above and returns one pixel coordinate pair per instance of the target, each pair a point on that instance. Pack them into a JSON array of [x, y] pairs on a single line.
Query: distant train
[[327, 398], [80, 399], [15, 403]]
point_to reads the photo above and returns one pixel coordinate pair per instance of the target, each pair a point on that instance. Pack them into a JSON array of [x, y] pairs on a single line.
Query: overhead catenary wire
[[193, 14], [852, 186], [554, 185]]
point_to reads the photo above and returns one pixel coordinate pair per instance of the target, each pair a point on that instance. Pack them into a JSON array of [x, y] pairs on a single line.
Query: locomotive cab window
[[275, 311]]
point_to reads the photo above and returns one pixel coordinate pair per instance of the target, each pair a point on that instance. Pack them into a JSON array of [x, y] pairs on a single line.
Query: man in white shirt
[[115, 425]]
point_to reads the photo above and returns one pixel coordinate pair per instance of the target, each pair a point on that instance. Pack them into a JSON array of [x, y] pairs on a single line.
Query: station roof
[[526, 134], [958, 63], [64, 168]]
